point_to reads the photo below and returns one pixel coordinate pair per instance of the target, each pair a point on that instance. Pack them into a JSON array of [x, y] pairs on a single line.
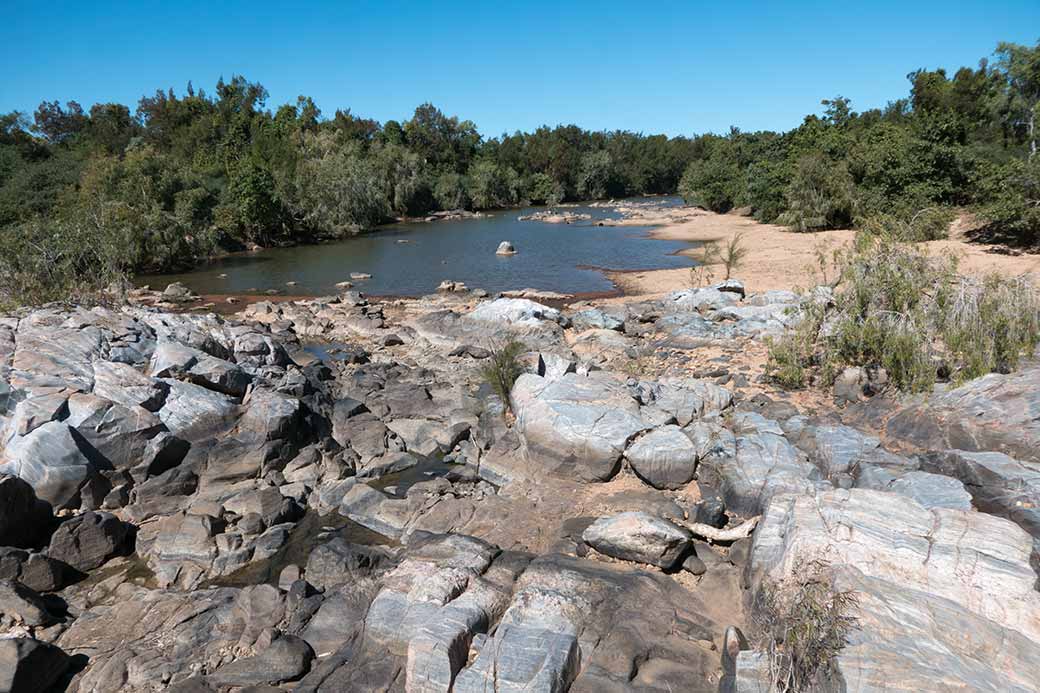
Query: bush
[[928, 224], [714, 183], [900, 310], [503, 368], [1012, 200], [819, 196], [803, 624], [60, 261]]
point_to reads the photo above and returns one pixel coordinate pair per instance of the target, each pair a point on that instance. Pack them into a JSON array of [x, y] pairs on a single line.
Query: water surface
[[411, 259]]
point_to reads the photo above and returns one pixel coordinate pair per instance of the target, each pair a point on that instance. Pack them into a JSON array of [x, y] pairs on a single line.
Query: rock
[[924, 579], [994, 413], [998, 484], [665, 458], [30, 666], [360, 276], [448, 286], [514, 310], [177, 292], [120, 434], [24, 520], [86, 541], [750, 468], [474, 352], [53, 459], [36, 571], [595, 319], [123, 384], [287, 659], [23, 605], [693, 564], [505, 248], [575, 426], [930, 490], [194, 413], [702, 300], [639, 537]]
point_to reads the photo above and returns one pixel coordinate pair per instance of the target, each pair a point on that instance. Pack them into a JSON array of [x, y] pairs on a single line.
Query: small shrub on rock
[[502, 369], [802, 625]]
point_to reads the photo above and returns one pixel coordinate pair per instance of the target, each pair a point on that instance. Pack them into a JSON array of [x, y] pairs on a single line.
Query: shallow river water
[[411, 259]]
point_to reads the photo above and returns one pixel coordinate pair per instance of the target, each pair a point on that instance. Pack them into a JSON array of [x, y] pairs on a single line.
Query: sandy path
[[781, 259]]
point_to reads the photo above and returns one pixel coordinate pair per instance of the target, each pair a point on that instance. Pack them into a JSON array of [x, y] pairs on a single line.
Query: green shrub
[[898, 309], [819, 196], [714, 183], [62, 261], [503, 368], [928, 224]]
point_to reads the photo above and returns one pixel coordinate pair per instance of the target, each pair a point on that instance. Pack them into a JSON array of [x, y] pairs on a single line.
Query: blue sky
[[677, 68]]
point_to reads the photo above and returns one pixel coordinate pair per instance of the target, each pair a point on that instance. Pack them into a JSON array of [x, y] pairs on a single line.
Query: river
[[411, 259]]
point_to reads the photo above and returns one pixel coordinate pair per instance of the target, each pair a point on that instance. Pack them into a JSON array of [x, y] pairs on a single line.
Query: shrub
[[819, 196], [503, 368], [928, 224], [912, 315], [60, 261], [733, 254], [714, 183], [1012, 201], [803, 624]]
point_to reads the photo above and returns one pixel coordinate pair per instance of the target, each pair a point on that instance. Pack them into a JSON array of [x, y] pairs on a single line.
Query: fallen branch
[[710, 533]]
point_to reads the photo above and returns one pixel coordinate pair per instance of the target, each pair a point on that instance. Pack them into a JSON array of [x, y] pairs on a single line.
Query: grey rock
[[30, 666], [120, 434], [23, 605], [595, 319], [123, 384], [195, 413], [998, 484], [505, 248], [23, 518], [639, 537], [575, 426], [287, 659], [930, 490], [665, 458], [87, 541], [52, 460], [924, 579]]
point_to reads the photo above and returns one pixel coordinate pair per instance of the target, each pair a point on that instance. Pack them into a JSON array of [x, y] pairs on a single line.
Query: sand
[[782, 259]]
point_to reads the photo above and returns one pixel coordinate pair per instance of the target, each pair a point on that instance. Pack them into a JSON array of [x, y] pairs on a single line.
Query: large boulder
[[994, 413], [665, 458], [998, 484], [24, 519], [575, 426], [30, 666], [86, 541], [287, 659], [639, 537], [54, 459], [956, 585]]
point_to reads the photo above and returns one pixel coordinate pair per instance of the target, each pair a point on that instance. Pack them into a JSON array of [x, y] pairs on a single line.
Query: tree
[[57, 124], [819, 196], [1020, 66]]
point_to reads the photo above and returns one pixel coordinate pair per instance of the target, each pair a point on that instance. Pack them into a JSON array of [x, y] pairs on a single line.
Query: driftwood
[[710, 533]]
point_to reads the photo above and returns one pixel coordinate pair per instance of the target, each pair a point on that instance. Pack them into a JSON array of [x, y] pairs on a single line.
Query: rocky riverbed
[[322, 495]]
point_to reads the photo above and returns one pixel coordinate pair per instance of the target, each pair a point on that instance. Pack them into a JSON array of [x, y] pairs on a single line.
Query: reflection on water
[[412, 259]]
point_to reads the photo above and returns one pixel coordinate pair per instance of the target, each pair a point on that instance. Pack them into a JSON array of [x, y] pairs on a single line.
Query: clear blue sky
[[677, 68]]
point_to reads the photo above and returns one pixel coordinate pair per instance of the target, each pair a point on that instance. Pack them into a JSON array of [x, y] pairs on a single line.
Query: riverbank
[[781, 259]]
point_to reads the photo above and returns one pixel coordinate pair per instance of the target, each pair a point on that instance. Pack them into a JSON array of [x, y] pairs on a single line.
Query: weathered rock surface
[[665, 458], [925, 580], [575, 426], [640, 537]]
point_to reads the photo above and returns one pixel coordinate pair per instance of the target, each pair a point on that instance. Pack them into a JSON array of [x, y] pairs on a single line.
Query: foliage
[[503, 368], [803, 624], [734, 253], [898, 309], [182, 175], [819, 195], [74, 263]]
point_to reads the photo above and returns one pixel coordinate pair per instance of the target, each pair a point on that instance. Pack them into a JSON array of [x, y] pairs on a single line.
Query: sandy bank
[[781, 259]]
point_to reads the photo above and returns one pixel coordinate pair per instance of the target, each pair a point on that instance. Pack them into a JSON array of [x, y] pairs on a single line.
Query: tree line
[[966, 140], [185, 175]]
